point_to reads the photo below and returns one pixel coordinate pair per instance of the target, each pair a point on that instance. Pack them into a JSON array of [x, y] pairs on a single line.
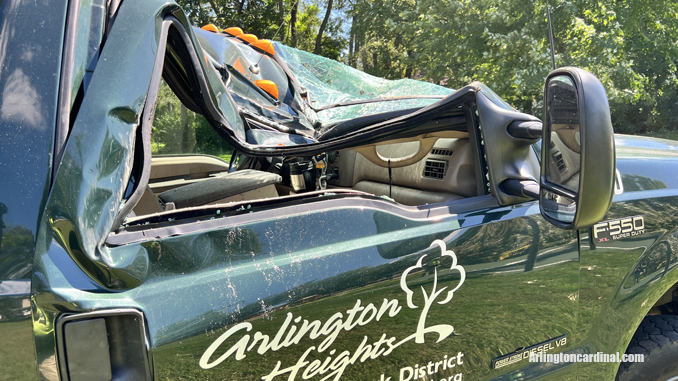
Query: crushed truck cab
[[358, 229]]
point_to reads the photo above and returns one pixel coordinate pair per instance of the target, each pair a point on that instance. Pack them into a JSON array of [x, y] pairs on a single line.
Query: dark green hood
[[646, 163]]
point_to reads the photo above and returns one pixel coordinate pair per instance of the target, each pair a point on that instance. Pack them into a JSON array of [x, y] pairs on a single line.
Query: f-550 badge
[[613, 230]]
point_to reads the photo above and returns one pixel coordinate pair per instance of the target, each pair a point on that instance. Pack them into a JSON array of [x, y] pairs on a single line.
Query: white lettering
[[290, 333], [331, 329], [369, 309], [402, 373], [394, 308], [238, 348], [314, 327], [312, 370], [293, 370], [350, 314]]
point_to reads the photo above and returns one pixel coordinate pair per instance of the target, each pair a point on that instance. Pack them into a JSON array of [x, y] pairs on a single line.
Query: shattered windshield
[[330, 82]]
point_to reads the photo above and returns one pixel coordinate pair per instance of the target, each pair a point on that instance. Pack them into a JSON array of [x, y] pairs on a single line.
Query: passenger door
[[355, 289]]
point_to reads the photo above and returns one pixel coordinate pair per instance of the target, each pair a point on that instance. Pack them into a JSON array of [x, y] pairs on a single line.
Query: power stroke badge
[[619, 228], [524, 353], [295, 328]]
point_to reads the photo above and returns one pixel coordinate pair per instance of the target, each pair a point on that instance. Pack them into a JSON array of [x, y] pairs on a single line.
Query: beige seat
[[222, 188], [173, 171]]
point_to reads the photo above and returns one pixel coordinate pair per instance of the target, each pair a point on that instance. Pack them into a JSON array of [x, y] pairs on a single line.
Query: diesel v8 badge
[[524, 353]]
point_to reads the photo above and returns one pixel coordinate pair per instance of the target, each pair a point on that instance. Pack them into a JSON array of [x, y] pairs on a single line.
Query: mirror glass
[[563, 125], [558, 207], [563, 160]]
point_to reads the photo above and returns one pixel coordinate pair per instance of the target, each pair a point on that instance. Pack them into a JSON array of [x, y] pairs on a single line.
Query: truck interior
[[427, 160], [444, 173]]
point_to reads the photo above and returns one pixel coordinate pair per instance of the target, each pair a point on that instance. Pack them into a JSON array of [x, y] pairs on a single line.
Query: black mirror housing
[[578, 154]]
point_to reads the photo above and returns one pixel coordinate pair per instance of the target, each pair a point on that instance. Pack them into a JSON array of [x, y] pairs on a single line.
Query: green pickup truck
[[361, 229]]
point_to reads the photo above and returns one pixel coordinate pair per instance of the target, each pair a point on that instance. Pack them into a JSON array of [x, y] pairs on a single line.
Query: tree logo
[[443, 330]]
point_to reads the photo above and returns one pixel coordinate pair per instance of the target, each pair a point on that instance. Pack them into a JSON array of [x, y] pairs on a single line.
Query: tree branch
[[319, 38]]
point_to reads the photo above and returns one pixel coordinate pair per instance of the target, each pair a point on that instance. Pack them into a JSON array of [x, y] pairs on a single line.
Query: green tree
[[323, 26], [383, 37], [500, 43], [293, 22], [177, 130], [259, 17], [631, 47]]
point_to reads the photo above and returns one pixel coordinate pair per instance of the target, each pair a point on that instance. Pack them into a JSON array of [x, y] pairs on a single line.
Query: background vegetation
[[178, 130], [629, 44]]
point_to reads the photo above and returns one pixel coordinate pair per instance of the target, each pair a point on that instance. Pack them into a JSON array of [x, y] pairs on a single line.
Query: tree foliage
[[177, 130], [629, 44], [296, 23]]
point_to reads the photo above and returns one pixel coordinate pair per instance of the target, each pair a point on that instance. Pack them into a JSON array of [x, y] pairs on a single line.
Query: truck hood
[[630, 145], [647, 163]]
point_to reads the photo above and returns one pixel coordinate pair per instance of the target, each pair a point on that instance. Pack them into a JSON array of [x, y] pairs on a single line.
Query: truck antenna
[[553, 52]]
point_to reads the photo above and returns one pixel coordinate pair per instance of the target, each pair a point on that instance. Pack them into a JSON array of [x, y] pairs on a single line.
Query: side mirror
[[578, 157]]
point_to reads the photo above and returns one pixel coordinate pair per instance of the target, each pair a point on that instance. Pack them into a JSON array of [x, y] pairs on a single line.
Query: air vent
[[442, 152], [560, 162], [435, 169]]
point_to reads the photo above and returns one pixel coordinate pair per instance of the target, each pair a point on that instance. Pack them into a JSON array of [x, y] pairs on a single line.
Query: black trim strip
[[197, 220], [559, 190], [477, 149]]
